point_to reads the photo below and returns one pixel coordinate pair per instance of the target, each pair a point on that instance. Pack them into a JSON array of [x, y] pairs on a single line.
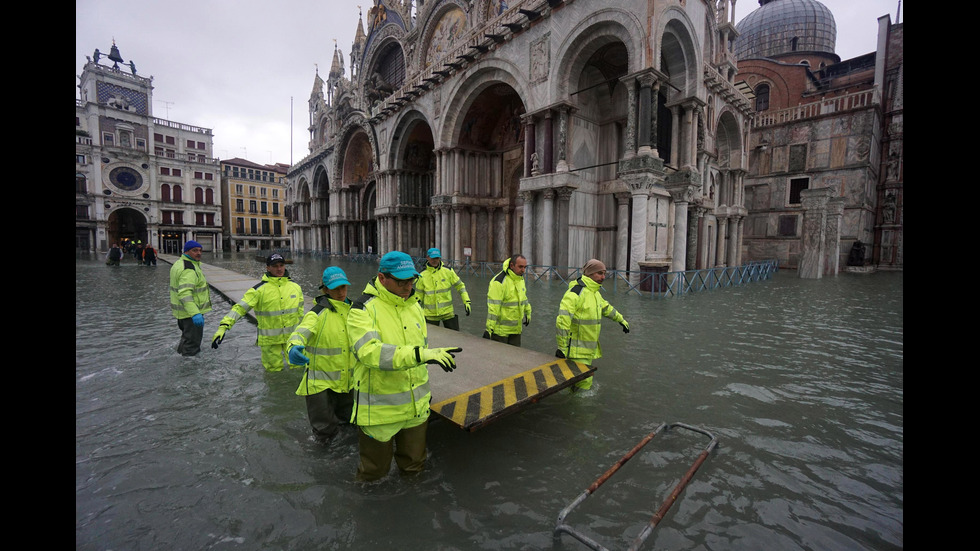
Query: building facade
[[253, 199], [824, 184], [561, 130], [137, 177]]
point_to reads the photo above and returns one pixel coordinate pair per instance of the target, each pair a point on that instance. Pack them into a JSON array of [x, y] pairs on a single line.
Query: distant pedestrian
[[320, 343], [435, 285], [149, 255], [507, 305], [114, 255], [190, 298], [579, 315], [138, 253], [278, 305]]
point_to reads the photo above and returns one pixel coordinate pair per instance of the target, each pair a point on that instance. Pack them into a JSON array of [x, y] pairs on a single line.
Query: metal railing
[[655, 284]]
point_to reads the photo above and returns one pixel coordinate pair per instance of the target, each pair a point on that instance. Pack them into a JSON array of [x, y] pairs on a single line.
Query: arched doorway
[[126, 225]]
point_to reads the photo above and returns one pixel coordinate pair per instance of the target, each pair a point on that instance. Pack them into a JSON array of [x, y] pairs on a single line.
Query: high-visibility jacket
[[278, 305], [507, 303], [390, 383], [578, 323], [189, 291], [323, 332], [434, 285]]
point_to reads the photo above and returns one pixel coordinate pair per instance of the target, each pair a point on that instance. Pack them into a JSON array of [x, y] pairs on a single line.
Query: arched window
[[165, 193], [761, 97], [80, 186], [199, 196], [178, 195], [209, 196]]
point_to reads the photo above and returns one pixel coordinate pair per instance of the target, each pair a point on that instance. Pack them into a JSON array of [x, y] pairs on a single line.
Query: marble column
[[547, 164], [812, 258], [644, 109], [528, 226], [622, 230], [563, 245], [548, 229]]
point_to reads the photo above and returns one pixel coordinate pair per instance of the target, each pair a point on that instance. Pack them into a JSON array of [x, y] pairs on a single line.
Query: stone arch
[[601, 28], [679, 53]]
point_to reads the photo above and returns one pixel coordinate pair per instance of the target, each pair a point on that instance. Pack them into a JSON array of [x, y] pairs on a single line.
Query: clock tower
[[139, 178]]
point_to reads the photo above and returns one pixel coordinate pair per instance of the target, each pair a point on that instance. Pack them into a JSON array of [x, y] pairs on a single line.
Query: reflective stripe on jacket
[[390, 383], [323, 332], [506, 303], [189, 291], [434, 286], [278, 306], [579, 315]]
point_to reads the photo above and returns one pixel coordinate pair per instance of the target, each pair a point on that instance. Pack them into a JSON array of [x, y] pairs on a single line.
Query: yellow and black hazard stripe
[[471, 410]]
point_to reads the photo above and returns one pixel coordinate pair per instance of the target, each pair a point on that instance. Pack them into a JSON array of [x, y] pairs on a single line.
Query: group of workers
[[366, 359]]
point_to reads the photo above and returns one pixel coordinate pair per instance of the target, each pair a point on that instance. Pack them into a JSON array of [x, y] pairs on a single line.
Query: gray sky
[[245, 68]]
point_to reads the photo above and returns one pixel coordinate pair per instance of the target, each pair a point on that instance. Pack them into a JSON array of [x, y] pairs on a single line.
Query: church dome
[[786, 26]]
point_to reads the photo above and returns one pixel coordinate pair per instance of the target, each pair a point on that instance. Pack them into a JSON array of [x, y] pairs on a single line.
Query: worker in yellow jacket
[[190, 298], [277, 302], [434, 287], [320, 343], [508, 310], [389, 338], [579, 315]]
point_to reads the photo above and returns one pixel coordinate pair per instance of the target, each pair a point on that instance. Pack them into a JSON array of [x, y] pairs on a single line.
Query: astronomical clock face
[[125, 178]]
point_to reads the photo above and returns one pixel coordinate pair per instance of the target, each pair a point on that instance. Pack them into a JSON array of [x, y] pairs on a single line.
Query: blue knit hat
[[434, 253], [190, 245], [334, 277], [398, 264]]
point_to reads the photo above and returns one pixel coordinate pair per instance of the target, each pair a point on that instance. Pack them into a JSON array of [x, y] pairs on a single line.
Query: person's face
[[400, 287], [433, 261], [519, 266], [337, 293], [195, 253], [599, 276], [277, 269]]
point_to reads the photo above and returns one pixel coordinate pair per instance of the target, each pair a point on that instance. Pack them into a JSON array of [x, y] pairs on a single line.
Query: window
[[158, 151], [252, 207], [762, 97], [80, 186], [178, 195], [198, 218], [207, 175], [199, 196], [251, 191], [165, 193], [275, 208], [254, 227], [262, 192], [265, 207], [108, 139], [80, 159], [277, 227], [164, 171], [209, 196], [171, 140], [275, 194], [177, 172], [239, 205], [81, 212], [167, 217], [238, 189], [141, 144], [209, 219], [198, 174], [178, 217], [797, 185], [200, 145], [158, 137], [190, 144], [240, 225]]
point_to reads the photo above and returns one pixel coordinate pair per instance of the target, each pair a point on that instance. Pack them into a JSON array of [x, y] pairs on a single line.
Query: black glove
[[467, 306], [486, 334], [559, 353], [626, 326], [527, 321]]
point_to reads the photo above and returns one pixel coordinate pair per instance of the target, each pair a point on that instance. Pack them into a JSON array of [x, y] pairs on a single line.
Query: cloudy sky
[[245, 68]]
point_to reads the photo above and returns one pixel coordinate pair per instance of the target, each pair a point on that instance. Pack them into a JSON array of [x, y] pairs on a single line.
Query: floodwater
[[801, 381]]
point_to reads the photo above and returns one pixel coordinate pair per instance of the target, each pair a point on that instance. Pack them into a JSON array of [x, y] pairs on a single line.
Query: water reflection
[[802, 381]]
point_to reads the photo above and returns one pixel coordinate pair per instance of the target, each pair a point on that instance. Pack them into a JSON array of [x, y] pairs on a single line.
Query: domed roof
[[784, 26]]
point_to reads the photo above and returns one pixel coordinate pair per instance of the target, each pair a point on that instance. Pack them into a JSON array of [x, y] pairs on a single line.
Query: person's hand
[[559, 353], [219, 336], [198, 320], [626, 326], [527, 320], [467, 306], [486, 334], [443, 357], [296, 356]]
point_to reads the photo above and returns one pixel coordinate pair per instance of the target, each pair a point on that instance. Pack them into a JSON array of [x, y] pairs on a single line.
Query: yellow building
[[253, 203]]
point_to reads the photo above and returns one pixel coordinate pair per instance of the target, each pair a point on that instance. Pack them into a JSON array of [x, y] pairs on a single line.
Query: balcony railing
[[839, 104]]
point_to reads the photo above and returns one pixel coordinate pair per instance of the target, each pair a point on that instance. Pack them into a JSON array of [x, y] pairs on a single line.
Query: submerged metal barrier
[[655, 284], [561, 526]]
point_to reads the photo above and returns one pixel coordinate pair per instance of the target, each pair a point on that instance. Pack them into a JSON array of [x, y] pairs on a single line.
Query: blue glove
[[198, 320], [296, 356]]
